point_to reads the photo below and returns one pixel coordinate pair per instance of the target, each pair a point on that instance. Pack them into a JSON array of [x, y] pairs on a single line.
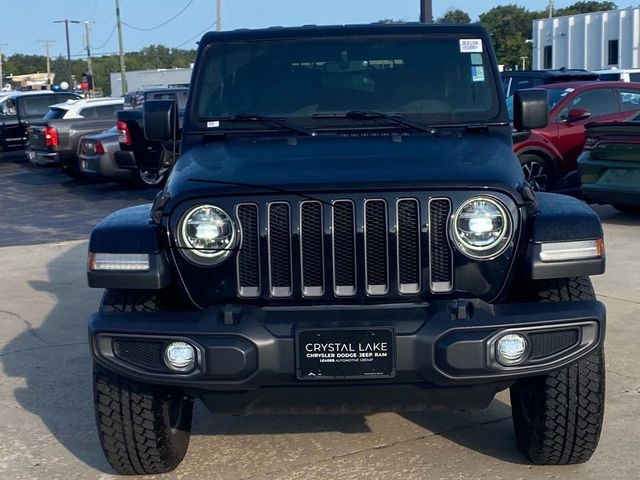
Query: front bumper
[[242, 348]]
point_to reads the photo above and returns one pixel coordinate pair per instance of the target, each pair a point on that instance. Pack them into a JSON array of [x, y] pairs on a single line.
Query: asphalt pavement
[[46, 410]]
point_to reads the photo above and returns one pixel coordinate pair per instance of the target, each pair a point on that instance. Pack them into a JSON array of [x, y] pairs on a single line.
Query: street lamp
[[66, 22]]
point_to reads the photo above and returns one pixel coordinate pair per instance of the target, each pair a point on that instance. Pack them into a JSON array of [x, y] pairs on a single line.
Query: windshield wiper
[[372, 115], [278, 122]]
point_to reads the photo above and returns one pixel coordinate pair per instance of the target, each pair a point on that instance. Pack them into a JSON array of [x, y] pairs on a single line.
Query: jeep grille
[[344, 248]]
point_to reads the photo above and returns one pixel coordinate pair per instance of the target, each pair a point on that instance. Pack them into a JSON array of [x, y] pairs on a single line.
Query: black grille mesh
[[280, 245], [248, 258], [344, 243], [144, 354], [440, 254], [311, 238], [408, 242], [376, 243], [544, 344]]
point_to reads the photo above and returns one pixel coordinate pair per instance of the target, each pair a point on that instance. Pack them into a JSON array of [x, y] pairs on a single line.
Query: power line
[[140, 29], [107, 40], [209, 27]]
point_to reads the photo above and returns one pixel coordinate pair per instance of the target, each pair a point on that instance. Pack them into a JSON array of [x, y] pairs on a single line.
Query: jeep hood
[[346, 163]]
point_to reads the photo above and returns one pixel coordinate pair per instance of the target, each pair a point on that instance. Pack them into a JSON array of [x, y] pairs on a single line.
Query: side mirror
[[160, 118], [530, 109], [577, 114]]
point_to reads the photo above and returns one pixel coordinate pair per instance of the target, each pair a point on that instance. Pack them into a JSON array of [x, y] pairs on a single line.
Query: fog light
[[511, 349], [180, 356]]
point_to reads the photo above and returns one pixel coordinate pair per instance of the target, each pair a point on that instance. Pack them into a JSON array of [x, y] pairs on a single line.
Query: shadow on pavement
[[54, 364]]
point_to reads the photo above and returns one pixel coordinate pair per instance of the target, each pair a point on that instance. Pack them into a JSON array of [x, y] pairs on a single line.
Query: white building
[[177, 77], [592, 41]]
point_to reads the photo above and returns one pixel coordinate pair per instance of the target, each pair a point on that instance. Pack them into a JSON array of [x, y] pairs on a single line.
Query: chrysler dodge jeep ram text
[[347, 229]]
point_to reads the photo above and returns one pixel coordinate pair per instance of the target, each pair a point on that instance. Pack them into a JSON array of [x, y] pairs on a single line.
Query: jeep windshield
[[316, 82]]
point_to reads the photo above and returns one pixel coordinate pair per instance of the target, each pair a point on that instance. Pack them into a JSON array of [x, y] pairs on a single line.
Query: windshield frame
[[495, 114]]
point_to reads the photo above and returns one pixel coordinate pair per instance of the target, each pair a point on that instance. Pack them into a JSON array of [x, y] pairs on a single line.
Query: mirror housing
[[160, 119], [577, 114], [530, 109]]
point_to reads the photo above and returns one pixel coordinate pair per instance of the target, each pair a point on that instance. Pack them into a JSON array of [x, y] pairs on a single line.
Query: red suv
[[549, 155]]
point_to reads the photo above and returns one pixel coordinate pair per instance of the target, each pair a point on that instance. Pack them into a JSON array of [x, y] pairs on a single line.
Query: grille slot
[[545, 344], [376, 247], [441, 261], [344, 248], [312, 248], [249, 256], [280, 273], [409, 257], [147, 355]]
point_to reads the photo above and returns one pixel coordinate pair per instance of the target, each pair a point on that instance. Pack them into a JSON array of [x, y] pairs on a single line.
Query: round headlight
[[482, 228], [206, 234]]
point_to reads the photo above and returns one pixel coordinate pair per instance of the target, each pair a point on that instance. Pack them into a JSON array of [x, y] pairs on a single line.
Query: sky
[[25, 23]]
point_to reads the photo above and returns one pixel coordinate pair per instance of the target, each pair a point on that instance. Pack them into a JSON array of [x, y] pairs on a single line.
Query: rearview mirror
[[577, 114], [530, 109], [160, 118]]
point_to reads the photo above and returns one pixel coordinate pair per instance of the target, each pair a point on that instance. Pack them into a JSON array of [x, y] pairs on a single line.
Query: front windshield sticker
[[477, 73], [471, 45], [476, 59]]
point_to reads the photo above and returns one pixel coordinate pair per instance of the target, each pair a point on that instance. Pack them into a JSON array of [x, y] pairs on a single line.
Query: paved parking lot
[[46, 412]]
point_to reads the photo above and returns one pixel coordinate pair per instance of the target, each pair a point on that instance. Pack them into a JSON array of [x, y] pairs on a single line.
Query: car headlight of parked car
[[206, 235], [482, 228]]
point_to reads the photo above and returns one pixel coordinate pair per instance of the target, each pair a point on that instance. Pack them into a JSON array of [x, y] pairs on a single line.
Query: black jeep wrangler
[[347, 230]]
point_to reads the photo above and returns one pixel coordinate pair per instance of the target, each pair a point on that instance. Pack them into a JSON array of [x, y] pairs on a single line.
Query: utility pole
[[66, 22], [89, 64], [47, 45], [426, 11], [123, 77], [218, 15], [550, 8], [2, 45]]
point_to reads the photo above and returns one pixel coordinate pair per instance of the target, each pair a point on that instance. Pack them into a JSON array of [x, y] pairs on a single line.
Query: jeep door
[[601, 104]]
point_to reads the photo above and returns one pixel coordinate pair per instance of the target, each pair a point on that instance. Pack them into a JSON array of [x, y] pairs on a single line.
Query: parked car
[[620, 75], [549, 155], [149, 161], [55, 139], [512, 81], [18, 109], [315, 250], [97, 157], [610, 164]]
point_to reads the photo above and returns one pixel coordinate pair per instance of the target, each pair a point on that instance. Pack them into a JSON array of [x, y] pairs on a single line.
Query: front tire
[[143, 429], [558, 417]]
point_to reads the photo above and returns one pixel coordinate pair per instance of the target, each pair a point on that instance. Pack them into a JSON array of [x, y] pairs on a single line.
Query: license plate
[[330, 354]]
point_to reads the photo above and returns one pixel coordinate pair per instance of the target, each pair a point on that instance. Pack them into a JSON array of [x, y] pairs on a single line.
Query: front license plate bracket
[[345, 353]]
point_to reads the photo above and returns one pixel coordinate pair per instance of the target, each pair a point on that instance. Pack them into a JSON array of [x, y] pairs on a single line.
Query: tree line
[[149, 58], [510, 27]]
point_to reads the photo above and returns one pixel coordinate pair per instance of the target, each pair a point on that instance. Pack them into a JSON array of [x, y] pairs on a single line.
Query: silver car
[[97, 157]]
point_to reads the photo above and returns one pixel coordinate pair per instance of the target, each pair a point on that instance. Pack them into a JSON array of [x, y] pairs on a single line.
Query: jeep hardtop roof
[[336, 30]]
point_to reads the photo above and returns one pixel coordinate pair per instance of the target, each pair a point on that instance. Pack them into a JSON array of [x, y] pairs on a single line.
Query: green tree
[[585, 7], [455, 16], [510, 27]]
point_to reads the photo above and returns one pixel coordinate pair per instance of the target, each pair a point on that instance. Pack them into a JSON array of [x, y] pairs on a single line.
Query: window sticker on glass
[[470, 45], [477, 73], [476, 59]]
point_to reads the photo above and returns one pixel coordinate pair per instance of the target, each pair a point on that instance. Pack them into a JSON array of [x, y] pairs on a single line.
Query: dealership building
[[591, 41]]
